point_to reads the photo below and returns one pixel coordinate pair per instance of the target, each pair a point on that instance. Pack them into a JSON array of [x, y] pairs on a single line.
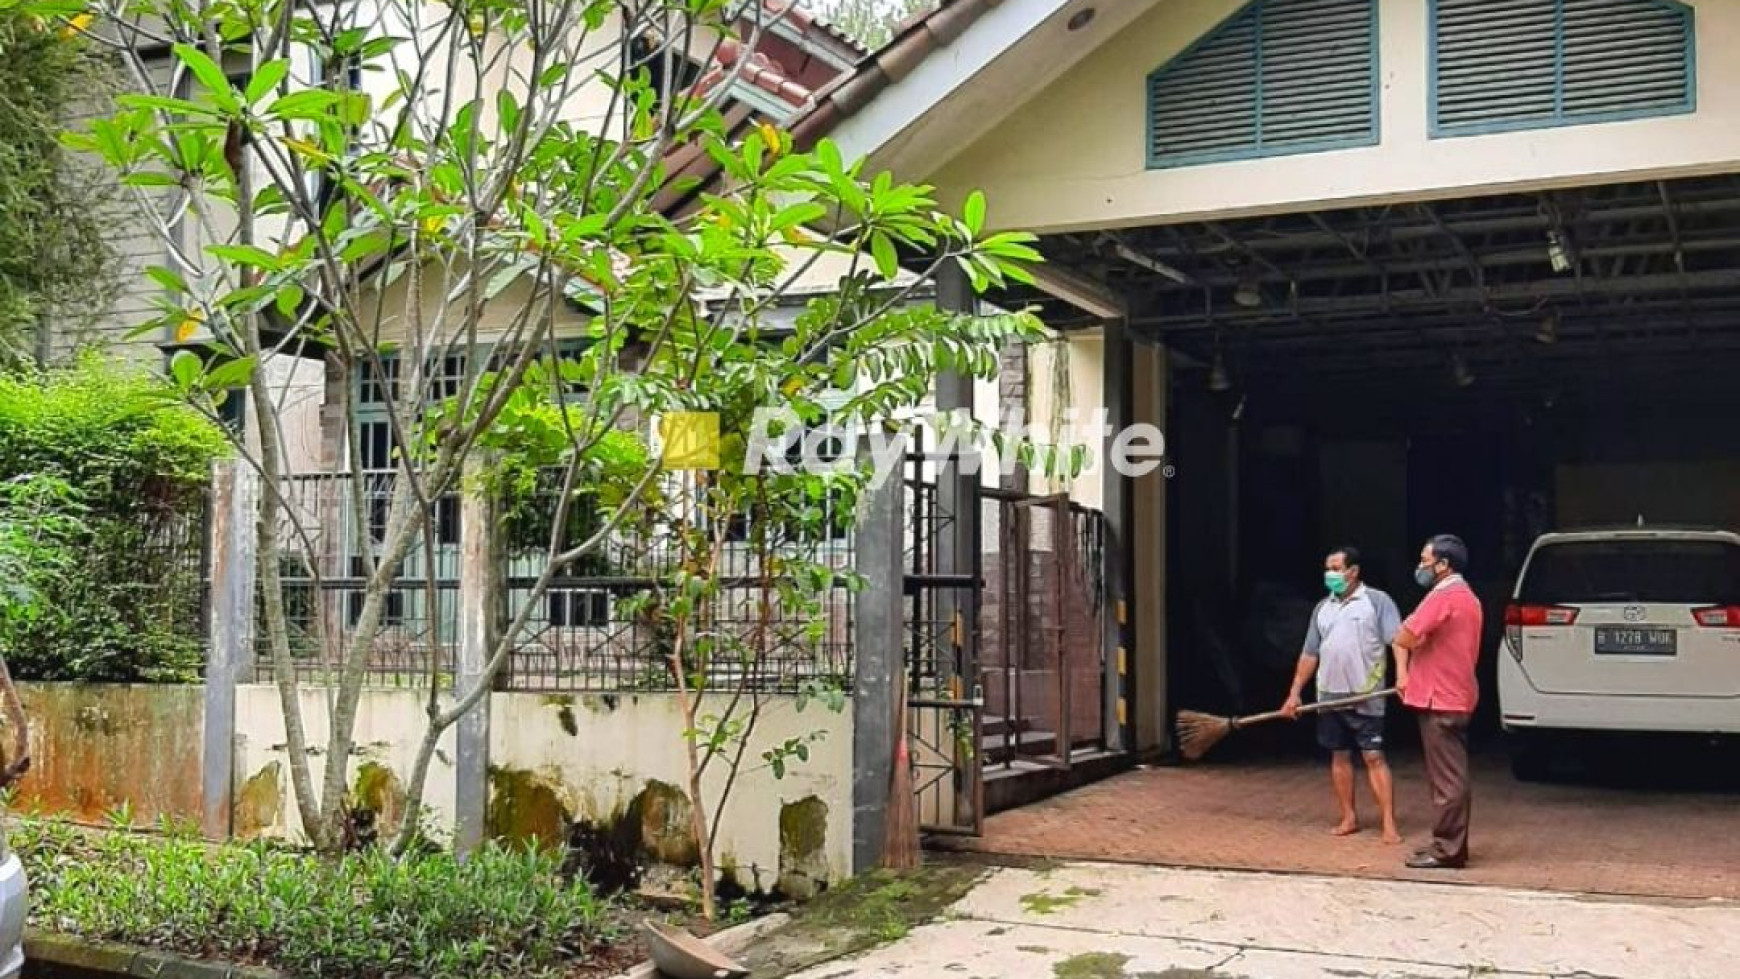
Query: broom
[[900, 844], [1198, 732]]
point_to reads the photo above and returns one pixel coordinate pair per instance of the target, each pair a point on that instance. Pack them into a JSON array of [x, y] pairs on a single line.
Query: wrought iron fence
[[595, 627], [323, 566], [600, 628]]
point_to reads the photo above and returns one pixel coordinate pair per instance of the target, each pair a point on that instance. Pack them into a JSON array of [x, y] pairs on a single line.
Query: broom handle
[[1321, 705]]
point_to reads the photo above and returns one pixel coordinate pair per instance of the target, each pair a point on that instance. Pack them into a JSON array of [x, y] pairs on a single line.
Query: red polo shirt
[[1441, 669]]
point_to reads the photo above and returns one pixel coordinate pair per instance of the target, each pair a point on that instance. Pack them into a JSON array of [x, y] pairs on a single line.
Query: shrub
[[499, 913], [137, 467]]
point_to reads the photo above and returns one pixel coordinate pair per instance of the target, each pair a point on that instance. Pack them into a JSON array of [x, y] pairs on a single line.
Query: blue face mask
[[1425, 576], [1336, 582]]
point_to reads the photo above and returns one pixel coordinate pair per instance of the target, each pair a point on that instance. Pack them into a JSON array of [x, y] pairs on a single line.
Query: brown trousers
[[1445, 738]]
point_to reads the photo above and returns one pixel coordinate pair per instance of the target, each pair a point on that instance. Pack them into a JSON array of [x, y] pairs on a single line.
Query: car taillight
[[1517, 615], [1534, 615], [1718, 617]]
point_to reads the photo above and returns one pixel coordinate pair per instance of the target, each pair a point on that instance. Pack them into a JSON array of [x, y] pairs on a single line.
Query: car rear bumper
[[1522, 707]]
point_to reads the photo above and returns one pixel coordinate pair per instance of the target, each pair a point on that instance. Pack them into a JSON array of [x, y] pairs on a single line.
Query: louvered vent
[[1280, 76], [1517, 64]]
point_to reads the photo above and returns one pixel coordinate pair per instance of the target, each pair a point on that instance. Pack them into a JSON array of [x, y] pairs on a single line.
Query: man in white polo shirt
[[1345, 648]]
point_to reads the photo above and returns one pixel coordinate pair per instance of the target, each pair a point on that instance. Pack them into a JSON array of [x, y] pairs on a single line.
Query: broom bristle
[[1198, 733], [900, 850]]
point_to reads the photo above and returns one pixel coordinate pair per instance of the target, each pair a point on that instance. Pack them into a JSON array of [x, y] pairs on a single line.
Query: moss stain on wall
[[379, 791], [259, 806], [803, 847], [524, 807]]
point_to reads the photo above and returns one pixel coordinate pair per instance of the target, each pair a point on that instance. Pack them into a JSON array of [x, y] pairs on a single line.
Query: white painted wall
[[622, 742], [616, 746], [1074, 156], [389, 726], [1079, 359]]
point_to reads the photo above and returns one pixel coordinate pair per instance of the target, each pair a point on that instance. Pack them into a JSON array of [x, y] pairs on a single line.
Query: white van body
[[1623, 630]]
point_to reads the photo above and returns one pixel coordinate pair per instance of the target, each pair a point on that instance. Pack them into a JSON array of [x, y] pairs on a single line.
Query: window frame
[[1435, 129]]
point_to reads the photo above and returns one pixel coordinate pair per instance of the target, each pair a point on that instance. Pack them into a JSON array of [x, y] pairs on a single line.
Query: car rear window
[[1695, 572]]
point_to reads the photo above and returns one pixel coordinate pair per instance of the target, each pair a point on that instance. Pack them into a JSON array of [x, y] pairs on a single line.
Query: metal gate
[[1005, 662], [1041, 651], [945, 705]]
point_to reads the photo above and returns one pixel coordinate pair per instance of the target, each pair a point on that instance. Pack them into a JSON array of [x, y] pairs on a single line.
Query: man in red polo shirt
[[1436, 652]]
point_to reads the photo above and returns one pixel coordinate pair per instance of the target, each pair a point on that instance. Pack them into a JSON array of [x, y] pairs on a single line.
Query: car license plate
[[1632, 641]]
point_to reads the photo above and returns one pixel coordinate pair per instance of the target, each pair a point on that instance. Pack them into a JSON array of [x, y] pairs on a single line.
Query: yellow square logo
[[691, 440]]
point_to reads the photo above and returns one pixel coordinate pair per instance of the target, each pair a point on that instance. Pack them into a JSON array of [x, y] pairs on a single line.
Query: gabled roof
[[914, 41]]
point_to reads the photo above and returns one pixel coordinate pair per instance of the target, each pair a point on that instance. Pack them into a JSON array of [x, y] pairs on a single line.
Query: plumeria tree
[[398, 185]]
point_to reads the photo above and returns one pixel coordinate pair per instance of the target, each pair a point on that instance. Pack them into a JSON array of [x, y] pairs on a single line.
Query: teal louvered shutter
[[1496, 61], [1279, 76], [1627, 56], [1319, 71], [1519, 64]]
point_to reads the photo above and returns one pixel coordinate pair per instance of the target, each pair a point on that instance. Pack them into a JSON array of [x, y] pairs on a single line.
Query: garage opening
[[1495, 367]]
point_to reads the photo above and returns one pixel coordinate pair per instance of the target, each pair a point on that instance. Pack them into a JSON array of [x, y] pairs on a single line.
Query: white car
[[14, 903], [1621, 630]]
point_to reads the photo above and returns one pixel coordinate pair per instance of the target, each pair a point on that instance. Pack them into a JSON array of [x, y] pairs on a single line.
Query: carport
[[1378, 269], [1492, 366]]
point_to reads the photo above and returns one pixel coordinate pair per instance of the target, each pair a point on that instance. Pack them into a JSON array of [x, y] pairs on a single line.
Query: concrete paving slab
[[1266, 964], [992, 950], [1431, 925]]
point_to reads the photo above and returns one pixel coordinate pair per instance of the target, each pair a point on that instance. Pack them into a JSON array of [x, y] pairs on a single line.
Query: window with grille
[[1502, 65], [578, 609], [1278, 77]]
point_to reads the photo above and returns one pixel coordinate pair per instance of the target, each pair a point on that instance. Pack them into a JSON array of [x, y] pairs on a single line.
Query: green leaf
[[266, 78], [973, 213], [162, 103], [211, 77], [246, 255], [289, 300], [887, 259], [171, 283], [185, 368], [233, 374], [308, 104]]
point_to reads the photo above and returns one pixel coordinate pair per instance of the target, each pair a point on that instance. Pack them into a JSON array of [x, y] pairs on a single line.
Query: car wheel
[[1531, 757]]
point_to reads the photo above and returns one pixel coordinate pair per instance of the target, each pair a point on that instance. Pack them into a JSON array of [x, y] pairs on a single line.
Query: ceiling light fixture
[[1249, 293], [1459, 371], [1082, 18], [1547, 333], [1561, 251], [1218, 379]]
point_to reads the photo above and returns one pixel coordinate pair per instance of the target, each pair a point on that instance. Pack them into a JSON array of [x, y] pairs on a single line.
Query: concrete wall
[[97, 748], [1068, 393], [565, 768], [598, 759], [1074, 154], [389, 727]]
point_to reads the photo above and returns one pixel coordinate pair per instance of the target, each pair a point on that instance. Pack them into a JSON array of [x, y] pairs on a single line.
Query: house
[[1377, 268]]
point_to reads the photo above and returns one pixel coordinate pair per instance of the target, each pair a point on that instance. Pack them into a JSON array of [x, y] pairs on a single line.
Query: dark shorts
[[1346, 730]]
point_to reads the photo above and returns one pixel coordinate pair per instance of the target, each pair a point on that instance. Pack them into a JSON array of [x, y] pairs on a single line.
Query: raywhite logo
[[1077, 443]]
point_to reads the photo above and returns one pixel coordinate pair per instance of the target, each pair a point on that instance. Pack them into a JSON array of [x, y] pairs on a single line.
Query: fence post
[[480, 620], [233, 537], [877, 658]]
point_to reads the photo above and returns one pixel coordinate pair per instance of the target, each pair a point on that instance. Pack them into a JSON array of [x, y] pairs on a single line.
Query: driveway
[[1105, 921], [1654, 839]]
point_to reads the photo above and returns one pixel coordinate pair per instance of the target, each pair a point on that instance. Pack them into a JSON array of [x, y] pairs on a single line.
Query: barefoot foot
[[1392, 836], [1345, 828]]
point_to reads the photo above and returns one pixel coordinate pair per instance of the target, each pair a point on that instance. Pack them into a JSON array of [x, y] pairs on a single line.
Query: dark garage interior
[[1494, 367]]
